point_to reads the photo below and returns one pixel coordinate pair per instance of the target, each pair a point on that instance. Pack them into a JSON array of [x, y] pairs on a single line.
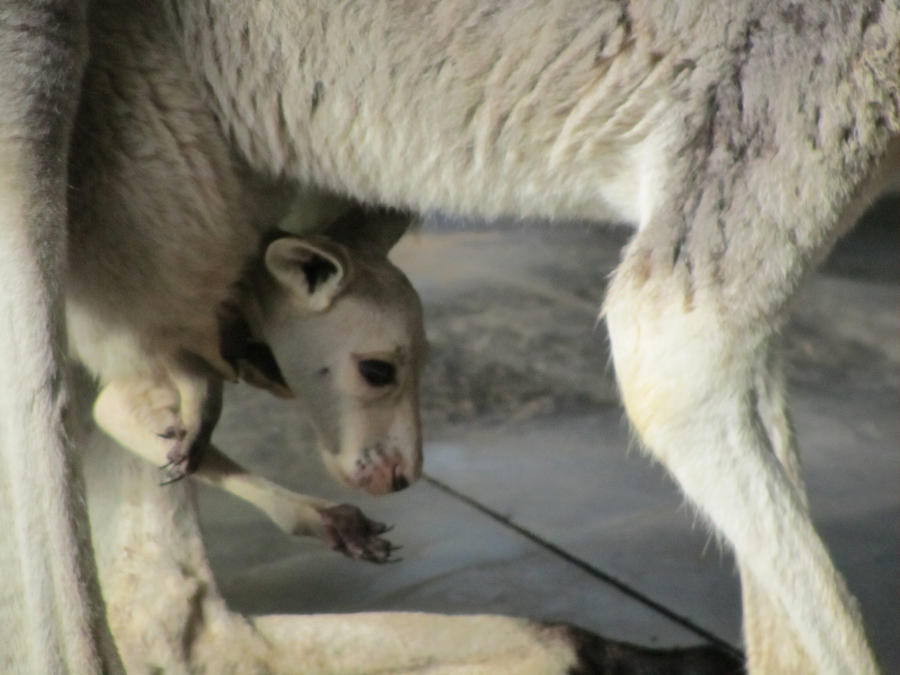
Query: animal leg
[[342, 526], [51, 611], [414, 642], [171, 427], [762, 617], [689, 373], [142, 414], [201, 406], [151, 556], [167, 422]]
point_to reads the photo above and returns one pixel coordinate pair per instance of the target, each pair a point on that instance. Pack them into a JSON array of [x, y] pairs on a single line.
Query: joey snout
[[378, 467]]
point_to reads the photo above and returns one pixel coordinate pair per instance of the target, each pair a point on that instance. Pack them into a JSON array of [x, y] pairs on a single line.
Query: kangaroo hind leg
[[764, 618], [695, 369]]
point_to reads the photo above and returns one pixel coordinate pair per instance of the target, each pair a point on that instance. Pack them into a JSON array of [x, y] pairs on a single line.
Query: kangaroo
[[352, 326], [158, 233], [670, 116], [145, 311], [149, 268]]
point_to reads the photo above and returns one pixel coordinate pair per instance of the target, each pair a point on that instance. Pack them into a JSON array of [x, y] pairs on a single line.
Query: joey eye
[[377, 373]]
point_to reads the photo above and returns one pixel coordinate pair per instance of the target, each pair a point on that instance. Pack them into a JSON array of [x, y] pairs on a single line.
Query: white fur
[[532, 108]]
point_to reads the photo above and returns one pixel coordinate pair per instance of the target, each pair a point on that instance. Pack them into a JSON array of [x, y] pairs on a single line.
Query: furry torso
[[162, 222], [605, 112], [577, 109]]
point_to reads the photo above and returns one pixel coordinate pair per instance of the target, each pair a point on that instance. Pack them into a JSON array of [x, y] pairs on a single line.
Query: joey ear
[[314, 270], [373, 229]]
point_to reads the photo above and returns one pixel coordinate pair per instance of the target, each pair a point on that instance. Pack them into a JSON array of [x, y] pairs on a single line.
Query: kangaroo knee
[[677, 360]]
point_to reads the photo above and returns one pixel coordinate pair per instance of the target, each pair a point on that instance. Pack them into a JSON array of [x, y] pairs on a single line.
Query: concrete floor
[[533, 503]]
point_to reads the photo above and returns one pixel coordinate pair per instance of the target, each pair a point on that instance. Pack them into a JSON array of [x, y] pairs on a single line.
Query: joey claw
[[350, 532], [392, 549], [172, 474], [179, 459], [179, 466], [183, 458]]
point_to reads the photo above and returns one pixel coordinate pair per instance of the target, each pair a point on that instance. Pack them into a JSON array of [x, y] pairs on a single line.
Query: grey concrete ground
[[533, 502]]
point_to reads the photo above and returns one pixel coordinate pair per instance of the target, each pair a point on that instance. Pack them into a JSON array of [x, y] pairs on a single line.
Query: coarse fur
[[671, 116]]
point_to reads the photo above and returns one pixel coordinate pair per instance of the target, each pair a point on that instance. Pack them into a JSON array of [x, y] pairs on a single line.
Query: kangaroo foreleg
[[343, 527], [167, 420]]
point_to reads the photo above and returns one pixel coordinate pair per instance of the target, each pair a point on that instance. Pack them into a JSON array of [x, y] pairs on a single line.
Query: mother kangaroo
[[740, 139]]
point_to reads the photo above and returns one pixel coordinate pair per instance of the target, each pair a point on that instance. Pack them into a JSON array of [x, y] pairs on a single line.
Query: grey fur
[[740, 138]]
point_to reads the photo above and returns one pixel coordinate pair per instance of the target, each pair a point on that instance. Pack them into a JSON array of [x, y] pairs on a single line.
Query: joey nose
[[399, 482]]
